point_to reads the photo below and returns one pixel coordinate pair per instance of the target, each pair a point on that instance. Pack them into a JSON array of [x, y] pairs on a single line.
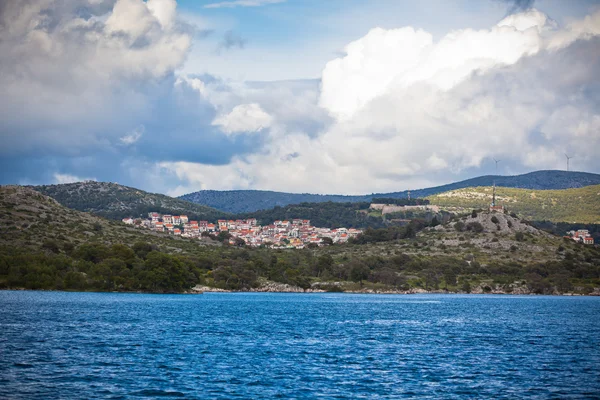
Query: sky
[[337, 96]]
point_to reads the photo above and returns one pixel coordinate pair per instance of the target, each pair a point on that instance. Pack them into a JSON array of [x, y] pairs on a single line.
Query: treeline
[[95, 266], [400, 202], [143, 267], [325, 215]]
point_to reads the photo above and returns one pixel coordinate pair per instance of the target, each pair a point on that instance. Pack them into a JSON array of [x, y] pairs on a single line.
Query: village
[[296, 233]]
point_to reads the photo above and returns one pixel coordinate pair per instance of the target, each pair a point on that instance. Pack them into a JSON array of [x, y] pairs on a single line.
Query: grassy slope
[[116, 201], [28, 219], [569, 205]]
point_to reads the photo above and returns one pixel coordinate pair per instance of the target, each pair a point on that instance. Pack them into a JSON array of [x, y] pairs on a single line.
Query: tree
[[324, 263], [358, 271], [141, 249], [51, 245], [327, 241]]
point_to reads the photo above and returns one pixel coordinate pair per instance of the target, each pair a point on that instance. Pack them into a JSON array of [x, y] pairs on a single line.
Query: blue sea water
[[222, 345]]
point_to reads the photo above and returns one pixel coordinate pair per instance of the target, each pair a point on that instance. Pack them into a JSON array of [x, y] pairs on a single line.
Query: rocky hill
[[238, 201], [115, 201], [581, 205], [31, 220]]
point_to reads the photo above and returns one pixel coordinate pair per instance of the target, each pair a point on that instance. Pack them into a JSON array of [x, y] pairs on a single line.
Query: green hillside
[[114, 201], [44, 245], [581, 205]]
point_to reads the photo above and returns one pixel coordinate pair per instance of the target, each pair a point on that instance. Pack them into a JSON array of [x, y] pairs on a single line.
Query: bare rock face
[[492, 222]]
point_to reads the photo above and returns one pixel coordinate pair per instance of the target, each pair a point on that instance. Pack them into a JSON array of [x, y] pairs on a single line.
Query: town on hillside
[[297, 233]]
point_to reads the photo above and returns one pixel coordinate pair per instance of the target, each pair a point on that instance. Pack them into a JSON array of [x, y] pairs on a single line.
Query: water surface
[[221, 345]]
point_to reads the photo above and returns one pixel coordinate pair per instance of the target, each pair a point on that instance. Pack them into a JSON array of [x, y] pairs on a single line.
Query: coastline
[[274, 287]]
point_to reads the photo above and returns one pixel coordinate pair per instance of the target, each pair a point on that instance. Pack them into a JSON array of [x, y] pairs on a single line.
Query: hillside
[[44, 245], [29, 219], [581, 205], [238, 201], [114, 201]]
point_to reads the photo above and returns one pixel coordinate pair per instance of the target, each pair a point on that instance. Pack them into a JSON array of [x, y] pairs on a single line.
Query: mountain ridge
[[239, 201]]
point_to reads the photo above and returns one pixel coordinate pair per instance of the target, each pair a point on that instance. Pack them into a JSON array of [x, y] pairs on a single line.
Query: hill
[[581, 205], [238, 201], [28, 219], [114, 201], [44, 245]]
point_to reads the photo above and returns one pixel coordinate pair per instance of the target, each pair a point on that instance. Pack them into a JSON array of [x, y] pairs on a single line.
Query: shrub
[[459, 226], [475, 227], [519, 236]]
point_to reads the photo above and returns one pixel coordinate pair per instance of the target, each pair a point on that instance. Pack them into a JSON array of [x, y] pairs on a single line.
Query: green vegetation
[[44, 245], [326, 215], [114, 201], [580, 205]]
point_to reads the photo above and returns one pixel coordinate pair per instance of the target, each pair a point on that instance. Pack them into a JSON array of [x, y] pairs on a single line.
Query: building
[[581, 236]]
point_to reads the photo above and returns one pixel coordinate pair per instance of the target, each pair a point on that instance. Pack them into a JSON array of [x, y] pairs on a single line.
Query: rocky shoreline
[[275, 287]]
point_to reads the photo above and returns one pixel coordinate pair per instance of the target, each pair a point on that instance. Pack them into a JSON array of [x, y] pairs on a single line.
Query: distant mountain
[[114, 201], [238, 201]]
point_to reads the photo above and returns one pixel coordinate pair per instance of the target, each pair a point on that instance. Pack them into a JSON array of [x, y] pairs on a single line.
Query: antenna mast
[[494, 184]]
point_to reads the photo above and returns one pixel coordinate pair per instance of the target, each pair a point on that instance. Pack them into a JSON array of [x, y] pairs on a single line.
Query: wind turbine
[[496, 161], [568, 158]]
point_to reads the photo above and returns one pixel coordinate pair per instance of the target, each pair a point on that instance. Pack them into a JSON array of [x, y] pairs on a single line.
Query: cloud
[[410, 112], [404, 57], [67, 178], [133, 136], [244, 118], [398, 109], [243, 3], [86, 76]]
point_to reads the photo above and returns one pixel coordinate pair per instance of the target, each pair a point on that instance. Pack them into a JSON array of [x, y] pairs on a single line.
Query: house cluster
[[581, 236], [296, 233]]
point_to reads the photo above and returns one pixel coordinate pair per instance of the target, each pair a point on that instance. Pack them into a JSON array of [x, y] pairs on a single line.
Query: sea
[[64, 345]]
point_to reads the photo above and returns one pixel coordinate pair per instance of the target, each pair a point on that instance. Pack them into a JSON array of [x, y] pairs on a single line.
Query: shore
[[275, 287]]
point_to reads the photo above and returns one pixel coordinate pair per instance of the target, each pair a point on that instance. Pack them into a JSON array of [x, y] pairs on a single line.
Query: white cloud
[[411, 112], [91, 66], [243, 3], [245, 118], [396, 59], [133, 136], [67, 178]]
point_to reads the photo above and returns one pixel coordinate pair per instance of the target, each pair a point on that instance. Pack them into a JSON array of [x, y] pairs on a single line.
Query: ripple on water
[[82, 345]]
